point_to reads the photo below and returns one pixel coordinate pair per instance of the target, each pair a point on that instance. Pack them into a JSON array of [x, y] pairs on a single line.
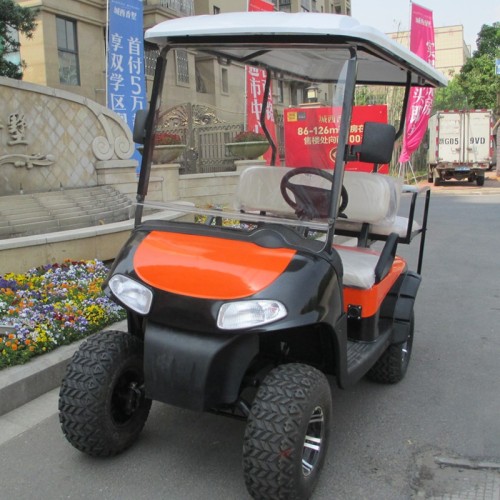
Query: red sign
[[255, 85], [311, 135]]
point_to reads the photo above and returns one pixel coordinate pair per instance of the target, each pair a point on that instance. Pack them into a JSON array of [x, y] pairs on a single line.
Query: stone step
[[38, 213]]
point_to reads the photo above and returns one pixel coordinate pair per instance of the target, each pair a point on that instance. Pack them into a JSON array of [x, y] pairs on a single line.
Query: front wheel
[[480, 180], [391, 367], [102, 407], [287, 433]]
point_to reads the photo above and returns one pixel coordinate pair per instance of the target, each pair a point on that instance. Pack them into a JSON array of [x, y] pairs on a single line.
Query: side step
[[361, 356]]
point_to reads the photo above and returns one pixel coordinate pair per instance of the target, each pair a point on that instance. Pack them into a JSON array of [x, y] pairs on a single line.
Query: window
[[224, 81], [282, 5], [182, 67], [281, 92], [67, 48], [151, 52]]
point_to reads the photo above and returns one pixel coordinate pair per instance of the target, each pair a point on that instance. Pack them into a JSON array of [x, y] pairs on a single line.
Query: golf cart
[[244, 308]]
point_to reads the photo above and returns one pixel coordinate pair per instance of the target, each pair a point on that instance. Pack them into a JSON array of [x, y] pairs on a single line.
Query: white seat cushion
[[372, 198], [259, 190], [359, 266], [399, 226]]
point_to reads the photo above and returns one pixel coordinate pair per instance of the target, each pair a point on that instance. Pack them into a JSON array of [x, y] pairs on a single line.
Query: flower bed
[[52, 306]]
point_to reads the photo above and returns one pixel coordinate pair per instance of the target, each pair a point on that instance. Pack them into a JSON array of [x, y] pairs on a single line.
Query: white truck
[[461, 145]]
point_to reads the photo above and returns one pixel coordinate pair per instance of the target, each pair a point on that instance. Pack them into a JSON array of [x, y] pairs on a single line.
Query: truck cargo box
[[461, 145]]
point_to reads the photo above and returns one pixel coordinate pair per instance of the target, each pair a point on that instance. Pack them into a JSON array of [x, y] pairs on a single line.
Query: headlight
[[248, 313], [134, 295]]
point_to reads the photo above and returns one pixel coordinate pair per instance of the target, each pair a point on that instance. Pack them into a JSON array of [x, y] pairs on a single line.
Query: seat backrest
[[373, 198], [259, 190]]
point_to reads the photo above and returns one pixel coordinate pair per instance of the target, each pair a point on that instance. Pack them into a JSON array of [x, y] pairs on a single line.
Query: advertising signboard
[[126, 85], [311, 135]]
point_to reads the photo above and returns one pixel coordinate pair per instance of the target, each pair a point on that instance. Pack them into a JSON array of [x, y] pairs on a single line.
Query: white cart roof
[[237, 35]]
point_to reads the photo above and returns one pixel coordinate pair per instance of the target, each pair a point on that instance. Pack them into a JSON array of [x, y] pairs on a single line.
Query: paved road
[[384, 439]]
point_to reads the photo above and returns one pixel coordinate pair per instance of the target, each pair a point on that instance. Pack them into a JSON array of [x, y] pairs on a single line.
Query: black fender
[[198, 371], [401, 300]]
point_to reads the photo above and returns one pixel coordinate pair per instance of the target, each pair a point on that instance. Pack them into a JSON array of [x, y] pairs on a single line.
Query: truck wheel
[[392, 365], [480, 180], [102, 407], [287, 433], [437, 181]]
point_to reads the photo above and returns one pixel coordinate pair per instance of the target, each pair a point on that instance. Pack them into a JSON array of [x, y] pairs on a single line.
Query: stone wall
[[50, 138]]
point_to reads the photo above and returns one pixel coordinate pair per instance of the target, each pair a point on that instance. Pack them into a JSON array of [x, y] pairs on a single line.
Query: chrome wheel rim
[[313, 441]]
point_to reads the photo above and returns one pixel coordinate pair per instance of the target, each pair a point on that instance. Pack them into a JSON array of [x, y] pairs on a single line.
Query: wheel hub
[[313, 440]]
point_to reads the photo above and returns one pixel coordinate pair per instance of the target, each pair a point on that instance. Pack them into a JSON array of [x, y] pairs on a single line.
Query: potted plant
[[167, 147], [248, 145]]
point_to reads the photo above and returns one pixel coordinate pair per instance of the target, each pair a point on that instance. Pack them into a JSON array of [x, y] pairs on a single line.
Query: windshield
[[227, 147]]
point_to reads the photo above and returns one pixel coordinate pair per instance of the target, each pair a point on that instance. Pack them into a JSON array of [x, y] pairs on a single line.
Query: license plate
[[462, 169]]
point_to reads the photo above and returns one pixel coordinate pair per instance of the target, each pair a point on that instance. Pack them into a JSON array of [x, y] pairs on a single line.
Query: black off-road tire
[[102, 408], [391, 367], [480, 180], [290, 416]]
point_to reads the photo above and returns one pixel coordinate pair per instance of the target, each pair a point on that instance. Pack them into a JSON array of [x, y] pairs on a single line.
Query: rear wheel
[[102, 407], [391, 367], [287, 433]]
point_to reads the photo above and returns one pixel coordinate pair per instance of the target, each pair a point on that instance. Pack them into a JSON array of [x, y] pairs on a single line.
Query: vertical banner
[[126, 86], [255, 84], [420, 102]]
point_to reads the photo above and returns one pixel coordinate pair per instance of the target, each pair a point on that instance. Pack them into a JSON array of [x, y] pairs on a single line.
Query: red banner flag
[[255, 84], [420, 103]]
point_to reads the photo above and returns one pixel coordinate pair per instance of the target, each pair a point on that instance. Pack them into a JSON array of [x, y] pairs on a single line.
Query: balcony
[[182, 7]]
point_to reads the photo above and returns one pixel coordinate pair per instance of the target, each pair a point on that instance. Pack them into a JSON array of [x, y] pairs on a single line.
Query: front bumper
[[198, 371]]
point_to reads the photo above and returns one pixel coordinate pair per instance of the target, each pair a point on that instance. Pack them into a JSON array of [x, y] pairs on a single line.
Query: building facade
[[329, 6], [68, 49], [451, 50]]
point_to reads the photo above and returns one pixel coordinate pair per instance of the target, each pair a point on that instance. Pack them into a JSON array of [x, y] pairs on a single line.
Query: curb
[[23, 383]]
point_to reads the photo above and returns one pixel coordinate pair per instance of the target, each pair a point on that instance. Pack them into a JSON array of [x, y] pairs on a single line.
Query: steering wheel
[[310, 201]]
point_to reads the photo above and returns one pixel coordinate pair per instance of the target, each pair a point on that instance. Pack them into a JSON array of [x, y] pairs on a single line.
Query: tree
[[488, 40], [14, 19], [450, 97], [477, 77]]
